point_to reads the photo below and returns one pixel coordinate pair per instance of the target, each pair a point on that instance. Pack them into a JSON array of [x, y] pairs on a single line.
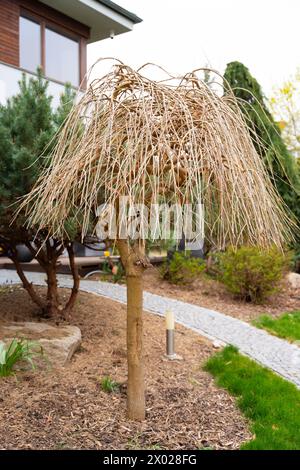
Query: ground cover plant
[[270, 403], [286, 326]]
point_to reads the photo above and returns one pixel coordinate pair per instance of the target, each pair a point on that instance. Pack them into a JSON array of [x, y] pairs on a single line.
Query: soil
[[67, 409]]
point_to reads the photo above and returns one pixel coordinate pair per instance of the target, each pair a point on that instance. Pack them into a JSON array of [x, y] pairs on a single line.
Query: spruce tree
[[28, 125]]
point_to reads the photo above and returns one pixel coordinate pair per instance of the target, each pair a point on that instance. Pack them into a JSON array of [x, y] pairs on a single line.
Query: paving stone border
[[272, 352]]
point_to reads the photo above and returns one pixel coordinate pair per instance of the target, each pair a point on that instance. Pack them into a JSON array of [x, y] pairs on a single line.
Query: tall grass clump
[[17, 352]]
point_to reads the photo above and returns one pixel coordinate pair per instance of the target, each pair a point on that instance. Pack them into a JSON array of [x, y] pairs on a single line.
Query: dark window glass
[[30, 44], [62, 58]]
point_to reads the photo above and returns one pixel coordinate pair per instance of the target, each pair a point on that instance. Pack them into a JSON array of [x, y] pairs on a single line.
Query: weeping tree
[[166, 142]]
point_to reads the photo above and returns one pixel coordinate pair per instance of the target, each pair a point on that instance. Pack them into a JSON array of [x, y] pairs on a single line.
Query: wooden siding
[[9, 32]]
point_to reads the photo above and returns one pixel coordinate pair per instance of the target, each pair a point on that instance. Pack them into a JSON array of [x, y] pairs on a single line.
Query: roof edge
[[122, 11]]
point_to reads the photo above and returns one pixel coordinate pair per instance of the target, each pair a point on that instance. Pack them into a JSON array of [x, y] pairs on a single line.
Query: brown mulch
[[212, 294], [67, 409]]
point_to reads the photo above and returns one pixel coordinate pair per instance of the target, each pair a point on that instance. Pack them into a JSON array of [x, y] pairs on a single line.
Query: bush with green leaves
[[251, 274], [182, 268], [18, 351]]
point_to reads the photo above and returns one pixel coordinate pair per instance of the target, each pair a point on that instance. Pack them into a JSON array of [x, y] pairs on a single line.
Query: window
[[56, 53], [62, 58], [30, 44]]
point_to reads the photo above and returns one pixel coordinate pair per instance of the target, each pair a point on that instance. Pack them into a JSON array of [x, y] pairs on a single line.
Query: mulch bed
[[67, 409]]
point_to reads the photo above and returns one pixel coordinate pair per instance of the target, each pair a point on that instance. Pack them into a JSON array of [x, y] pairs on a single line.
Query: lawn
[[287, 326], [271, 404]]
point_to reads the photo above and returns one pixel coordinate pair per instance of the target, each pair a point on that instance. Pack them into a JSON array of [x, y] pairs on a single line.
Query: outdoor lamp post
[[170, 327]]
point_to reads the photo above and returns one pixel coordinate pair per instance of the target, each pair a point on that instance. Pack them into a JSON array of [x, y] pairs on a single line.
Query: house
[[53, 35]]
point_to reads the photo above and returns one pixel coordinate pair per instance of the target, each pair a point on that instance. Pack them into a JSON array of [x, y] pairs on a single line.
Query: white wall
[[9, 78]]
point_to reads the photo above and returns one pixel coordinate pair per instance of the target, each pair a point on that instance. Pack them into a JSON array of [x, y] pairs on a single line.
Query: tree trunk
[[134, 263], [74, 270], [135, 387], [26, 284], [52, 291], [47, 252]]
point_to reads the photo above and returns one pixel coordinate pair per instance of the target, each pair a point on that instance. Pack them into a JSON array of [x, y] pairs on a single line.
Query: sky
[[181, 35]]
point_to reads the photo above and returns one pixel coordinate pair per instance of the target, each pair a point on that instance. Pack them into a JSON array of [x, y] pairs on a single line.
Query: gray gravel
[[274, 353]]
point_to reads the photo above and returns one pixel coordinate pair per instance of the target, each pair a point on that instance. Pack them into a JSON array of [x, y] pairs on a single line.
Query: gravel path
[[274, 353]]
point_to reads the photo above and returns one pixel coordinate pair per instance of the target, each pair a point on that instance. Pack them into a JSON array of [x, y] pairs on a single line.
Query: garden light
[[170, 327]]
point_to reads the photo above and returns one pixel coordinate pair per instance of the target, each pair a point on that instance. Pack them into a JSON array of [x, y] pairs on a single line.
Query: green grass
[[287, 326], [109, 385], [270, 403]]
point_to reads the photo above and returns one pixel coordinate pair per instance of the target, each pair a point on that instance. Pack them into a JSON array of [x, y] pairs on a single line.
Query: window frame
[[35, 21], [45, 23]]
